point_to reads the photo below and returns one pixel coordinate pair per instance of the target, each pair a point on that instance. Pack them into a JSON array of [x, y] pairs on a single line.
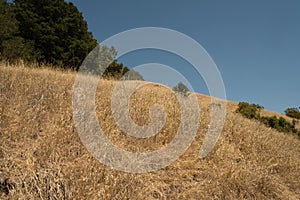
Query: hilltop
[[42, 157]]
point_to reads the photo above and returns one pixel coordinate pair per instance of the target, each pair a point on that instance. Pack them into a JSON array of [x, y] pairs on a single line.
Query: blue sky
[[255, 44]]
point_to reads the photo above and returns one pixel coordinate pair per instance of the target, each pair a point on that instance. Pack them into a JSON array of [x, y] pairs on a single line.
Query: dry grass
[[42, 157]]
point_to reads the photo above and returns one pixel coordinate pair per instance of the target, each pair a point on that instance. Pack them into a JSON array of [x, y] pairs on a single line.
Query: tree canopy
[[56, 31], [12, 46]]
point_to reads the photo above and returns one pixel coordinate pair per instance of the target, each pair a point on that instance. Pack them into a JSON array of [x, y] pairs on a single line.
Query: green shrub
[[181, 89], [293, 112], [279, 124], [251, 111], [295, 122]]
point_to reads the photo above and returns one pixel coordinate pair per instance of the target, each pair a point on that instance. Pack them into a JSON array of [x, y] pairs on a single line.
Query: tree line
[[48, 32]]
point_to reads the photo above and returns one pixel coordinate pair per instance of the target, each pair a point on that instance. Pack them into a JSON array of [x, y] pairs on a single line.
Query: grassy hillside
[[42, 157]]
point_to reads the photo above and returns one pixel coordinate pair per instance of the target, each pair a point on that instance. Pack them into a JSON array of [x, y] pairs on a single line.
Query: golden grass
[[42, 157]]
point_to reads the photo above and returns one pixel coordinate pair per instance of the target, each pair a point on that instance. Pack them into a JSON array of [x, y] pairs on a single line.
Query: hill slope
[[42, 157]]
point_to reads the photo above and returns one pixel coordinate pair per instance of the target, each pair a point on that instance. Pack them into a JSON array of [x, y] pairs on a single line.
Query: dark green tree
[[7, 20], [56, 29], [12, 46]]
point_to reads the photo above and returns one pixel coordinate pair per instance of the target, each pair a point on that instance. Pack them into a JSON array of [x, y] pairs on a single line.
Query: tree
[[98, 60], [8, 22], [115, 70], [56, 29], [12, 47], [55, 32], [102, 62], [119, 71], [132, 75]]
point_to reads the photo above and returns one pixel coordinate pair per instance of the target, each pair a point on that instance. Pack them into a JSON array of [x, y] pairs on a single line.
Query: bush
[[295, 122], [279, 124], [251, 111], [270, 121], [181, 89], [293, 112]]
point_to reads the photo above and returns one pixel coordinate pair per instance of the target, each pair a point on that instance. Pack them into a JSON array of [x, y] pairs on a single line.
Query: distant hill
[[42, 157]]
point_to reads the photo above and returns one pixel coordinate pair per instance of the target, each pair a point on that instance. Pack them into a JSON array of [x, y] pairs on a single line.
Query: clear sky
[[255, 43]]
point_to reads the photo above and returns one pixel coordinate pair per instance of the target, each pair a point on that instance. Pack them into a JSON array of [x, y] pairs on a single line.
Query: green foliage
[[293, 112], [119, 71], [251, 111], [8, 22], [181, 89], [98, 60], [132, 75], [55, 31], [279, 124], [12, 47], [295, 122], [115, 70], [102, 62]]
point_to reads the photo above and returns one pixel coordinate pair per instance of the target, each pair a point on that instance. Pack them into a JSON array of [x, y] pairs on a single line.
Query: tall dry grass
[[42, 157]]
